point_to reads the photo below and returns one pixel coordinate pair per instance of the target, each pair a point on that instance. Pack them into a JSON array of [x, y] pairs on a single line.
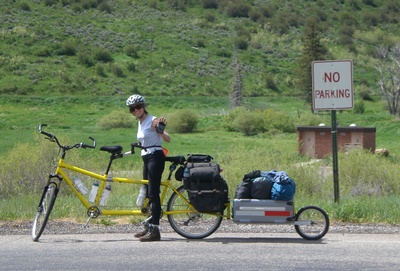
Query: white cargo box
[[262, 211]]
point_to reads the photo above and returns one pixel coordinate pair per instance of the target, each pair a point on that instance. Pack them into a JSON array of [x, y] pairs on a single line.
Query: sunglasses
[[137, 107]]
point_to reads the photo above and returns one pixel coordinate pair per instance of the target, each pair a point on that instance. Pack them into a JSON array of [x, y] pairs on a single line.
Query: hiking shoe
[[140, 234], [153, 234]]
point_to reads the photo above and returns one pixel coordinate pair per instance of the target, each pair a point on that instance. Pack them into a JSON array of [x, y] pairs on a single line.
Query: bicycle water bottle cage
[[112, 149]]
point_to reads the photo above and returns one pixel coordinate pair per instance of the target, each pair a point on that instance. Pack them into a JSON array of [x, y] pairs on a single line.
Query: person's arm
[[164, 135]]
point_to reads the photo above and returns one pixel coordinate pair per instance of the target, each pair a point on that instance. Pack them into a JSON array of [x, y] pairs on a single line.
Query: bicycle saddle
[[112, 149]]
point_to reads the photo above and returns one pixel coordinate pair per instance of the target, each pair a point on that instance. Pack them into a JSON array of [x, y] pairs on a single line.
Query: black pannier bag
[[199, 158], [244, 189], [207, 190]]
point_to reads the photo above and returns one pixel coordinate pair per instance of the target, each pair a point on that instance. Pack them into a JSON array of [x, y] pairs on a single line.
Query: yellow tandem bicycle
[[310, 222]]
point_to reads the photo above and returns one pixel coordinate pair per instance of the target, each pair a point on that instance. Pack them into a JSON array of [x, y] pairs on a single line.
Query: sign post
[[332, 89]]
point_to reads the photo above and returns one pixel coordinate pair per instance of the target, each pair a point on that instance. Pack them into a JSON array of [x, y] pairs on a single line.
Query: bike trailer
[[262, 211]]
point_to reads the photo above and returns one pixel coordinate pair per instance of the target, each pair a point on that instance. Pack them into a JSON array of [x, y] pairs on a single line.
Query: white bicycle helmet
[[134, 99]]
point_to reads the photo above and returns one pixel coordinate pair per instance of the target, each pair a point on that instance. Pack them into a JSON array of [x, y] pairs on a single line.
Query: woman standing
[[150, 135]]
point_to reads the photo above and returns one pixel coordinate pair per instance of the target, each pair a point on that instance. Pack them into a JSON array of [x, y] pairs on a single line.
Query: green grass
[[74, 118], [180, 51]]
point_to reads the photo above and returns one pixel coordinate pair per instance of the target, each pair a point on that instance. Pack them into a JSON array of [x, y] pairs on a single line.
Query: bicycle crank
[[92, 212]]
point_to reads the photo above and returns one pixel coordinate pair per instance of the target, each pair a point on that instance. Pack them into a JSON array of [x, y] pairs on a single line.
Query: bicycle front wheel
[[186, 221], [311, 223], [44, 209]]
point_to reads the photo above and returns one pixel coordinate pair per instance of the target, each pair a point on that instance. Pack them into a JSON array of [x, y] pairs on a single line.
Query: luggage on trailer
[[276, 185], [207, 190]]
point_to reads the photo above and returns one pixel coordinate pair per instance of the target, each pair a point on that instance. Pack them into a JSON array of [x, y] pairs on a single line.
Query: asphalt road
[[221, 251]]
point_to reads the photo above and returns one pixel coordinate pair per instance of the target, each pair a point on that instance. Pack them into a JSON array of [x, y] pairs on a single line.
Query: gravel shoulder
[[227, 226]]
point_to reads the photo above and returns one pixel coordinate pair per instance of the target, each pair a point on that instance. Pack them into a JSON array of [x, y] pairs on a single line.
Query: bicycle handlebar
[[136, 145], [53, 138]]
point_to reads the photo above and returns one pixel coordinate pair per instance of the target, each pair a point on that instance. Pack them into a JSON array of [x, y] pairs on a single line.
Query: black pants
[[152, 170]]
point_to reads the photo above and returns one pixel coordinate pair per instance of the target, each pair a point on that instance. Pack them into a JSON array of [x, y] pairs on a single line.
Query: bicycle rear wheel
[[311, 223], [44, 209], [192, 224]]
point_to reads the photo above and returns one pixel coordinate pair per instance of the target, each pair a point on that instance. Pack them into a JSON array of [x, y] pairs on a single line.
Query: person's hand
[[160, 127]]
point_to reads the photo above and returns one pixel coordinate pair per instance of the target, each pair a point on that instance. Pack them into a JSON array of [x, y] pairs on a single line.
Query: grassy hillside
[[182, 47]]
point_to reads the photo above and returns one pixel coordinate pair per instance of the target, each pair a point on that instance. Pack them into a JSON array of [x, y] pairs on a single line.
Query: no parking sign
[[332, 83]]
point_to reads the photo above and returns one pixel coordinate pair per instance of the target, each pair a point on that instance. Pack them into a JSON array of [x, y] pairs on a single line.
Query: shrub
[[209, 17], [244, 121], [209, 4], [117, 70], [200, 43], [105, 7], [131, 67], [178, 4], [43, 52], [248, 123], [238, 9], [27, 166], [254, 122], [84, 58], [241, 42], [227, 124], [100, 70], [270, 83], [116, 119], [278, 120], [131, 51], [102, 54], [223, 52], [49, 3], [25, 6], [68, 48], [359, 107], [184, 121]]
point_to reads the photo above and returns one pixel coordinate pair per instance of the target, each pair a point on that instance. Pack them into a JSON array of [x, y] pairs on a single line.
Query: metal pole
[[335, 157]]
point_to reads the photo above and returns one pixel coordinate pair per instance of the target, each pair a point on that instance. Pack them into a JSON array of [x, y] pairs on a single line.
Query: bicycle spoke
[[188, 222]]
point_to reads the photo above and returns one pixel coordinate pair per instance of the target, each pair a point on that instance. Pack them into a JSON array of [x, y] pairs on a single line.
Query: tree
[[312, 50], [236, 95], [389, 71]]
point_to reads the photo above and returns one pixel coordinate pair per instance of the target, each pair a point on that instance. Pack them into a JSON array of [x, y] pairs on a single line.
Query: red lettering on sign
[[329, 77], [332, 93]]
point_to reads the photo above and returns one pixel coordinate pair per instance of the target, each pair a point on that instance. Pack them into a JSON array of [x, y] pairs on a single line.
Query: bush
[[26, 169], [117, 119], [249, 123], [131, 51], [254, 122], [278, 120], [117, 70], [43, 52], [241, 42], [25, 6], [68, 48], [49, 3], [238, 9], [100, 70], [210, 17], [105, 7], [131, 67], [84, 58], [184, 121], [102, 54], [359, 107], [244, 121], [209, 4]]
